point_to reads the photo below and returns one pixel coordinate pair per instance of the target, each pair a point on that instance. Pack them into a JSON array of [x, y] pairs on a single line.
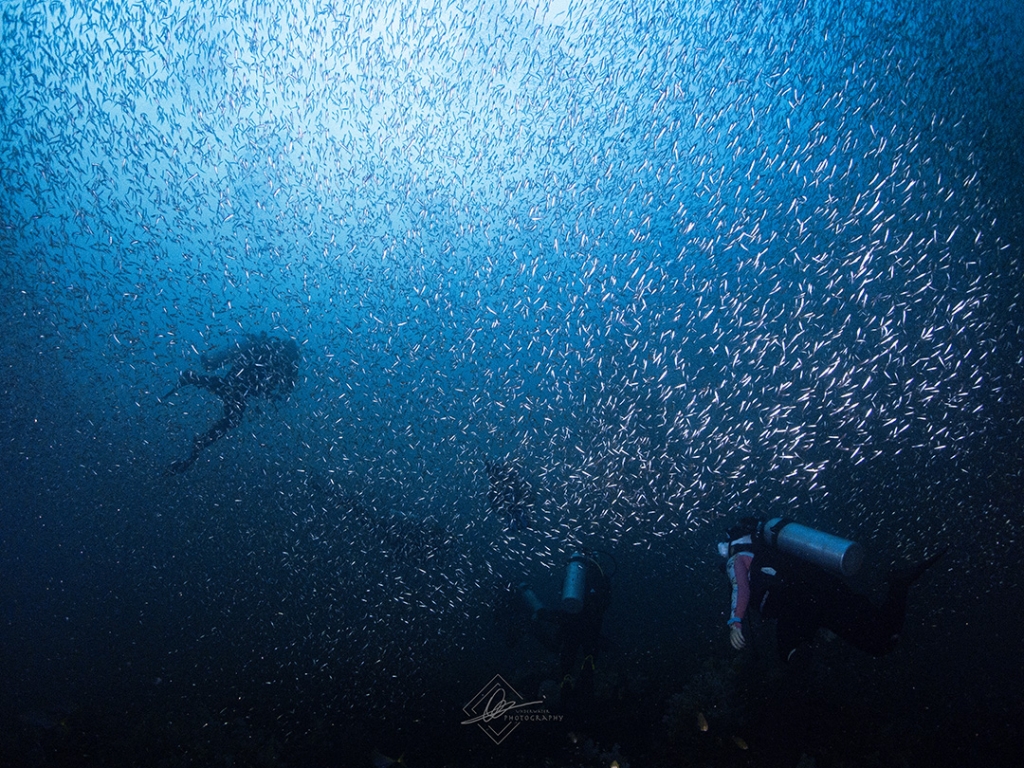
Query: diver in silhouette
[[261, 366], [576, 624], [802, 597]]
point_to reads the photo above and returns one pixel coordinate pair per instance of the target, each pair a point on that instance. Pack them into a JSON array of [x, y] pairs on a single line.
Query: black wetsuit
[[578, 634], [262, 367], [803, 598]]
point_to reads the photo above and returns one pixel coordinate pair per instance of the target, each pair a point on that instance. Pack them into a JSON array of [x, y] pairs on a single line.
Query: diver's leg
[[901, 579], [569, 640], [566, 678], [893, 613], [797, 609], [863, 624], [859, 621], [793, 632], [234, 408], [544, 627], [876, 629], [210, 436], [588, 650]]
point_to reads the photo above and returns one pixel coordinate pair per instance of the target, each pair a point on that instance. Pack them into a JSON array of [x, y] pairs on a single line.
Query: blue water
[[679, 261]]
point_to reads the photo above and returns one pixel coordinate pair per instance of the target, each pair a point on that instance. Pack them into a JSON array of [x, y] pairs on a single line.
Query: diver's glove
[[736, 636]]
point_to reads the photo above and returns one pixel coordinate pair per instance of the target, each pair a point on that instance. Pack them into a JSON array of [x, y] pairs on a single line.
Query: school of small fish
[[679, 260]]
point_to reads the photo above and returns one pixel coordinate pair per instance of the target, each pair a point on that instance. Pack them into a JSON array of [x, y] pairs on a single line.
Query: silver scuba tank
[[840, 556], [575, 584]]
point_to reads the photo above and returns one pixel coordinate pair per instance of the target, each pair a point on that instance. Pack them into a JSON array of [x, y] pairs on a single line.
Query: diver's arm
[[738, 569]]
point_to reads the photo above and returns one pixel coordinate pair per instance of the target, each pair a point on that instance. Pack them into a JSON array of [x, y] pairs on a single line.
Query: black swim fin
[[907, 575]]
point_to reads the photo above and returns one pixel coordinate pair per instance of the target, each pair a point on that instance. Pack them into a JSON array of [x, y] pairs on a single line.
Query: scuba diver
[[509, 495], [261, 366], [586, 594], [794, 575]]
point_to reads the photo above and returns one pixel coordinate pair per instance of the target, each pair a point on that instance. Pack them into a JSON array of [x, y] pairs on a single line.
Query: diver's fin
[[907, 575]]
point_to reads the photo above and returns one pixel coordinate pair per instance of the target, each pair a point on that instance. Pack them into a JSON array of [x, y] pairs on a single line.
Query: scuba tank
[[840, 556], [531, 599], [575, 584]]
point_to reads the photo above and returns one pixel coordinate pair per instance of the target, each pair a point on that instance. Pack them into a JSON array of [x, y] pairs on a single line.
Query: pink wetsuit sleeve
[[739, 574]]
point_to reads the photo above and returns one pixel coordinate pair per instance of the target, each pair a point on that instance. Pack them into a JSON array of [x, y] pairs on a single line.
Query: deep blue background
[[681, 261]]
